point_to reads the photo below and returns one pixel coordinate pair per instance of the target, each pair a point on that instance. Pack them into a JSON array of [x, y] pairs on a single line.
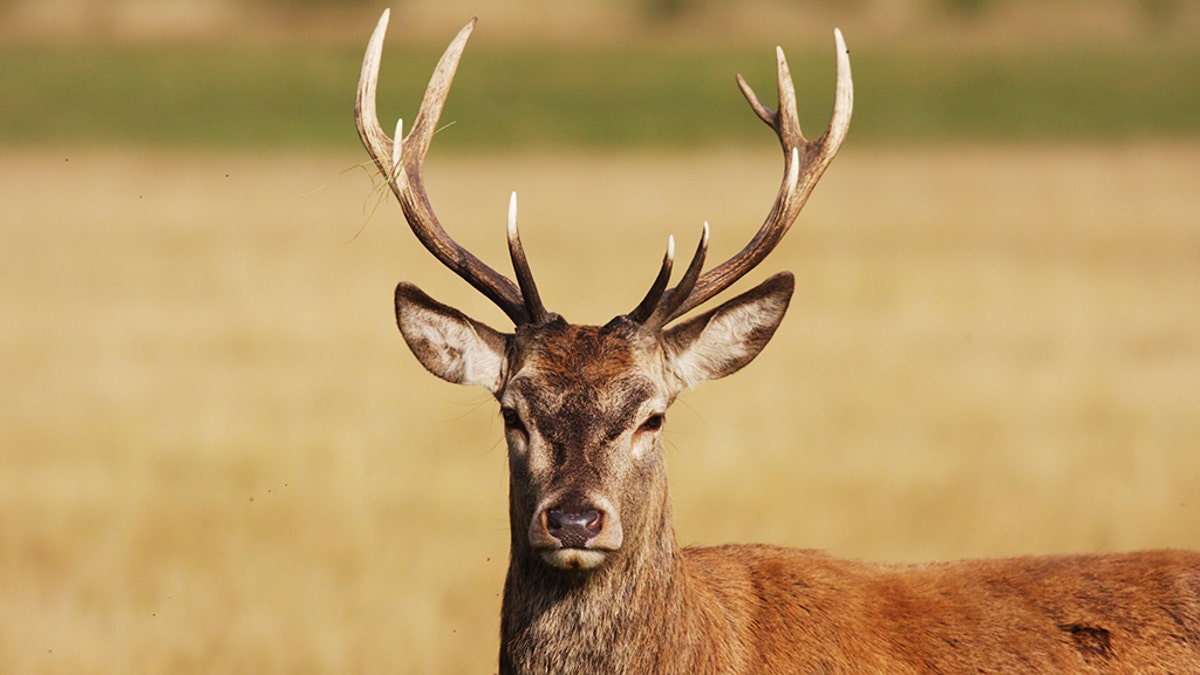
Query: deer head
[[584, 406]]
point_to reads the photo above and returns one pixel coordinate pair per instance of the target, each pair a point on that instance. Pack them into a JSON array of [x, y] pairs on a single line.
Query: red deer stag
[[596, 581]]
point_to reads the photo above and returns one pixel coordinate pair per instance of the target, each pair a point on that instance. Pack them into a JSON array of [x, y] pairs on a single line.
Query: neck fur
[[610, 619]]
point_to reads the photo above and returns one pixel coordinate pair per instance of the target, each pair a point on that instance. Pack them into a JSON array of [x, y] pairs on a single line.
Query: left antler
[[401, 162], [804, 163]]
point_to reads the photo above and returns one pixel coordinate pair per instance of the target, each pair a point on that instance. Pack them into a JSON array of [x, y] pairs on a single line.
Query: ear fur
[[723, 340], [447, 342]]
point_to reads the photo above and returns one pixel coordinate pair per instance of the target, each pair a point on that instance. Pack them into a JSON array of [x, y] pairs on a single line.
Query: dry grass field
[[218, 456]]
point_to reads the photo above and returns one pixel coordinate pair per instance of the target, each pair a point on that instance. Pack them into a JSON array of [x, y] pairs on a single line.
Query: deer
[[597, 581]]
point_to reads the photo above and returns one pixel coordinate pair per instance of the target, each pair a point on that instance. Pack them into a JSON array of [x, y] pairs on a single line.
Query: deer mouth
[[574, 558]]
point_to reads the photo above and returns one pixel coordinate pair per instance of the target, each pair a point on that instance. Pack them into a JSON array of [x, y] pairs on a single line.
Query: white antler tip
[[671, 246], [376, 42], [398, 143], [382, 25], [780, 59], [512, 213]]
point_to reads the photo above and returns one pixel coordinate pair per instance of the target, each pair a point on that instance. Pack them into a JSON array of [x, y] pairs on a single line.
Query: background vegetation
[[516, 97], [217, 456], [661, 76]]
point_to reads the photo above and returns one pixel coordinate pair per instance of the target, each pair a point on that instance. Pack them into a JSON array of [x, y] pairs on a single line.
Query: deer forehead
[[610, 371], [561, 356]]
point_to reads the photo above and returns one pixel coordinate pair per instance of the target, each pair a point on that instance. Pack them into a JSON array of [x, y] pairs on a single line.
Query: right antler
[[401, 163], [804, 163]]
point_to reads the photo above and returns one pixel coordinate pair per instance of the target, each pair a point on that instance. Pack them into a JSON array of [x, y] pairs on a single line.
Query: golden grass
[[218, 456]]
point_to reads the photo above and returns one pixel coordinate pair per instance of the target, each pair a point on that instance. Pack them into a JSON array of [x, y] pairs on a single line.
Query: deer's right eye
[[512, 421], [654, 422]]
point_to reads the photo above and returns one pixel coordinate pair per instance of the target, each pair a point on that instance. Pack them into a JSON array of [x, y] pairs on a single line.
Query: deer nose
[[573, 526]]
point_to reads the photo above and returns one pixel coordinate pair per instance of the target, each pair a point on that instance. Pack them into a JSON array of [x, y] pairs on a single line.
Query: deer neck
[[603, 620]]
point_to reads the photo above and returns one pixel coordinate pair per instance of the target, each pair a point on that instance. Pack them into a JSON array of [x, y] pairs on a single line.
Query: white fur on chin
[[573, 558]]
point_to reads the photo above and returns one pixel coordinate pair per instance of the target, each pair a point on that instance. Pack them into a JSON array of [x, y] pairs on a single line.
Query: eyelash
[[512, 421], [653, 422]]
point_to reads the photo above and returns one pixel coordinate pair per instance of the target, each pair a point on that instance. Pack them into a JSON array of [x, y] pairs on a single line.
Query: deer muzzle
[[575, 531]]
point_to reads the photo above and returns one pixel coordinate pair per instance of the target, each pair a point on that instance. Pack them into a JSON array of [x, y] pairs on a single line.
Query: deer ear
[[723, 340], [447, 342]]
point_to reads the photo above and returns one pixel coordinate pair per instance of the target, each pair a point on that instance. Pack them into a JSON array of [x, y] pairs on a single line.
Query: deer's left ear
[[447, 342], [723, 340]]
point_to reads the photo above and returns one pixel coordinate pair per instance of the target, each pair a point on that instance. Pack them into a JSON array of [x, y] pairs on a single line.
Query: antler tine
[[675, 297], [533, 301], [804, 163], [405, 176], [649, 303], [374, 138]]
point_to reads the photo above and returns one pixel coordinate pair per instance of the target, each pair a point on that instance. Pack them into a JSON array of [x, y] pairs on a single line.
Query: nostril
[[573, 527], [558, 519], [592, 520]]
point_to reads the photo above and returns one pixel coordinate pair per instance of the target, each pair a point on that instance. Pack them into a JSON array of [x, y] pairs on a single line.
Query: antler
[[401, 162], [804, 163]]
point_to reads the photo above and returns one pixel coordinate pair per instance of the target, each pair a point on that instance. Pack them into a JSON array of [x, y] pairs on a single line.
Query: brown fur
[[764, 609], [657, 608], [577, 399]]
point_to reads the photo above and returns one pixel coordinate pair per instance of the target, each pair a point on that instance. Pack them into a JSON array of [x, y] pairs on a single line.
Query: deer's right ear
[[447, 342], [723, 340]]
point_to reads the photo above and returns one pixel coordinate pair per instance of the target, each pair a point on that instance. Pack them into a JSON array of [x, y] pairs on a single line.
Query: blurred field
[[630, 94], [594, 73], [218, 456]]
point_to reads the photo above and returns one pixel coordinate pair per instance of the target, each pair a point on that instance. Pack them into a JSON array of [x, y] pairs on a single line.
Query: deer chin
[[574, 558]]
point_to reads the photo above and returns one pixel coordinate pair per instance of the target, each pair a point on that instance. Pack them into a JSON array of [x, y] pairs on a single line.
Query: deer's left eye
[[653, 422], [512, 421]]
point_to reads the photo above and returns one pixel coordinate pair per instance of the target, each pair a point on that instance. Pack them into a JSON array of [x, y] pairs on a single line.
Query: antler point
[[382, 24], [398, 144], [512, 215], [781, 60]]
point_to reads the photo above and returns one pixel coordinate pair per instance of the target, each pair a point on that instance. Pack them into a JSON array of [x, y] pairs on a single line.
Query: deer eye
[[653, 422], [512, 420]]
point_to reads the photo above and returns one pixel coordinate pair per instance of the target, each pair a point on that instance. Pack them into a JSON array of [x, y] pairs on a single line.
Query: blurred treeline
[[731, 18], [595, 74]]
